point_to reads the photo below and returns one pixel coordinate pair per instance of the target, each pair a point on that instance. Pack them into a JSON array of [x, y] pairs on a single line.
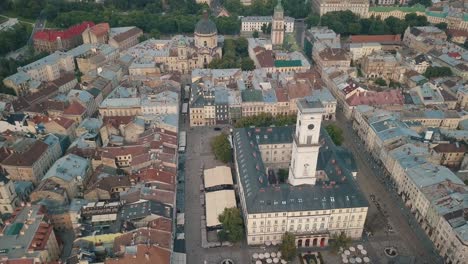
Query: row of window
[[348, 210]]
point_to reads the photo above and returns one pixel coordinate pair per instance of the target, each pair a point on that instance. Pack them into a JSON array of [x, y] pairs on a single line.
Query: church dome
[[205, 26]]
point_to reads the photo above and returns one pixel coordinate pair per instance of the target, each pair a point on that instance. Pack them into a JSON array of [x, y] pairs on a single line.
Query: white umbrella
[[283, 261], [347, 253], [258, 262], [366, 260], [261, 256], [343, 256], [358, 260], [360, 247], [276, 260], [267, 255], [352, 249], [274, 243], [345, 260], [364, 252], [278, 254], [255, 255], [268, 243], [269, 260], [273, 254], [352, 260]]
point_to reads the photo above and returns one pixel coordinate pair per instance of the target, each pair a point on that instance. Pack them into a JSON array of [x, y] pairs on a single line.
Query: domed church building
[[206, 41], [181, 53]]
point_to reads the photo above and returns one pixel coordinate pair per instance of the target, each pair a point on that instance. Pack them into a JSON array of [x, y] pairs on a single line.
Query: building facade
[[53, 40], [359, 7], [257, 23]]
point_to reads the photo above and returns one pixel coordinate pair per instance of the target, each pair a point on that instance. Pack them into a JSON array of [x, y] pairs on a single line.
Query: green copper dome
[[205, 26]]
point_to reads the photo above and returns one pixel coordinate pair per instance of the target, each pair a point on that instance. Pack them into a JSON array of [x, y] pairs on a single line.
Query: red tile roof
[[27, 158], [116, 121], [375, 38], [144, 254], [64, 122], [127, 34], [451, 148], [151, 174], [299, 88], [265, 59], [74, 108], [454, 55], [19, 261], [457, 33], [100, 29], [52, 35], [392, 97], [162, 196], [161, 223], [142, 235], [282, 95]]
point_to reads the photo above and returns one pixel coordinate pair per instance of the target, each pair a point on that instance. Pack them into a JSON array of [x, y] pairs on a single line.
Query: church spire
[[279, 7]]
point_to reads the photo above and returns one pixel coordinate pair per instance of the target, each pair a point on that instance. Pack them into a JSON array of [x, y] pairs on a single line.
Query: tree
[[283, 175], [441, 25], [242, 47], [394, 84], [288, 246], [221, 148], [233, 226], [381, 82], [264, 28], [435, 71], [312, 20], [266, 119], [335, 133], [255, 34], [339, 241], [247, 64]]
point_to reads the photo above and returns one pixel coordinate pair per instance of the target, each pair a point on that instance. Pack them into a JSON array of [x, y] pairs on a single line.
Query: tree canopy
[[335, 133], [266, 119], [9, 67], [233, 226], [235, 55], [348, 23], [339, 241], [380, 81], [288, 246], [292, 8], [178, 16], [435, 71], [13, 38], [221, 148]]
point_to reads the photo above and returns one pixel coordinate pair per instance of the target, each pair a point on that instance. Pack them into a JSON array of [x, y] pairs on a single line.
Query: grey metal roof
[[340, 191]]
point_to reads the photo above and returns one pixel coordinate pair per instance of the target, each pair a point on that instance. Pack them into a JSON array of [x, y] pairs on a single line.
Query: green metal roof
[[436, 14], [465, 16], [252, 95], [288, 63], [14, 229], [406, 9]]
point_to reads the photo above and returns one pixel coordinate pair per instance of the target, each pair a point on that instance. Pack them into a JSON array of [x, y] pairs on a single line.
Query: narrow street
[[410, 237]]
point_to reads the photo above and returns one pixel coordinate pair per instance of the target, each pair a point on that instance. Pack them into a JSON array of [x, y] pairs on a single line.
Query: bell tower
[[306, 142], [277, 26]]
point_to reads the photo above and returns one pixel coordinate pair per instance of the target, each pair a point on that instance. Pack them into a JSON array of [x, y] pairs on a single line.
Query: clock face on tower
[[310, 127]]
